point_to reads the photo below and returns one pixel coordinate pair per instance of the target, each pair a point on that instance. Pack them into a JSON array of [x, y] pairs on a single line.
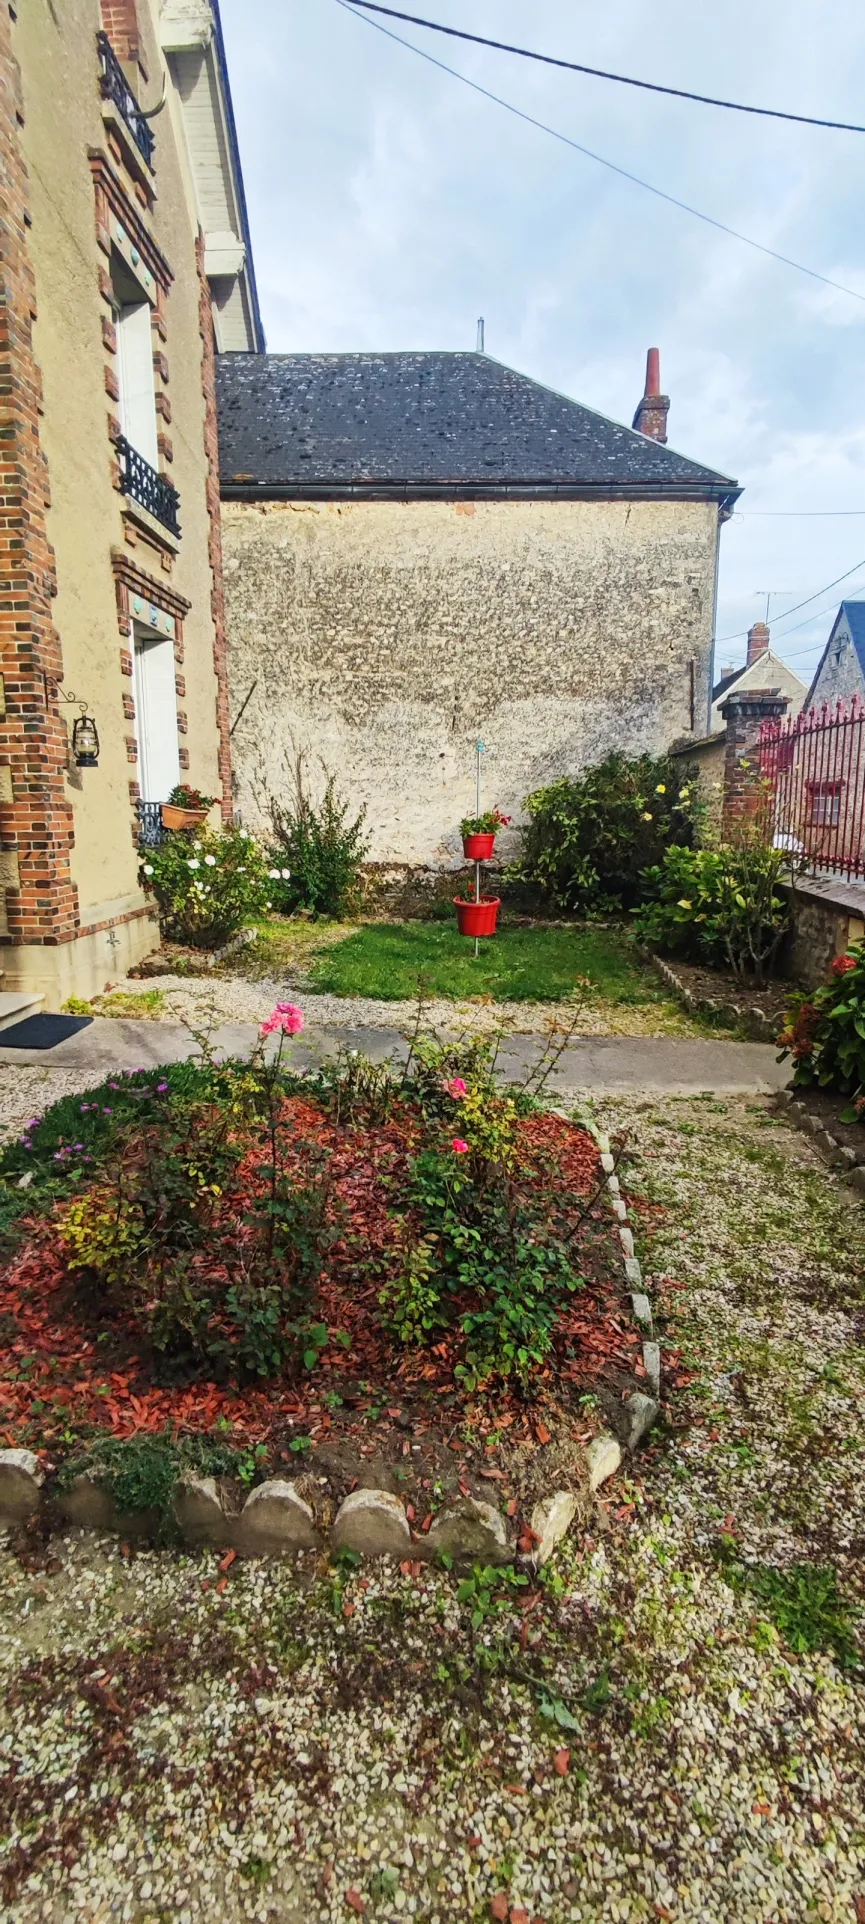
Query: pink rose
[[286, 1017], [459, 1147], [456, 1087]]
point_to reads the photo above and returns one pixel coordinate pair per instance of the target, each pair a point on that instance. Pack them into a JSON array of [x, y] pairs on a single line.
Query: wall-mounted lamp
[[85, 735]]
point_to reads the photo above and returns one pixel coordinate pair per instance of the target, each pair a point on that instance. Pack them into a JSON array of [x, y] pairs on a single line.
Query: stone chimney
[[758, 642], [651, 415]]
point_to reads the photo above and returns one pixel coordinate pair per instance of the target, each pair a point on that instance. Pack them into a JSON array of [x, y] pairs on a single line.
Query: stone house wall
[[385, 637]]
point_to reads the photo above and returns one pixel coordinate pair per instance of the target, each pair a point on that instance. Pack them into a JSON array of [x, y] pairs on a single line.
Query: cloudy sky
[[391, 205]]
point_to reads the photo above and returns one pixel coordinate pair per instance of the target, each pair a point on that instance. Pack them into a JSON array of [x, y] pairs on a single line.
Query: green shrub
[[207, 886], [590, 839], [720, 906], [824, 1031], [316, 859]]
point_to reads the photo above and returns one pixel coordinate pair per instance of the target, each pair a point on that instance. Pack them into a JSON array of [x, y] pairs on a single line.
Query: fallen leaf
[[660, 1909], [222, 1585], [357, 1902], [859, 1908], [410, 1512], [473, 1843], [518, 1915], [761, 1810], [513, 1506], [542, 1433], [493, 1476], [500, 1906], [516, 1790], [228, 1560], [427, 1521], [405, 1567], [348, 1609], [561, 1761]]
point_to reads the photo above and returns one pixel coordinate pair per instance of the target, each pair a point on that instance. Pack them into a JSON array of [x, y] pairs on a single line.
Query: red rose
[[843, 964]]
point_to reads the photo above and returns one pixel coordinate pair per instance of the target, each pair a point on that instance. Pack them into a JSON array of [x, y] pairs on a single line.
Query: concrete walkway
[[605, 1065]]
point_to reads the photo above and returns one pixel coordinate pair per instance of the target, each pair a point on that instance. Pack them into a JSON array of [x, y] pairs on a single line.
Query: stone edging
[[848, 1162], [757, 1024], [280, 1518]]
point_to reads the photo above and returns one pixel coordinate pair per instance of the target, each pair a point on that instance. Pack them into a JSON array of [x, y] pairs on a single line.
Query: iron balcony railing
[[150, 830], [151, 490], [115, 86]]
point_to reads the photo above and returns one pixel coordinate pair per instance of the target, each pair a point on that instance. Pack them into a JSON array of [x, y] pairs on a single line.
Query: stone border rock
[[759, 1026], [280, 1518], [850, 1163]]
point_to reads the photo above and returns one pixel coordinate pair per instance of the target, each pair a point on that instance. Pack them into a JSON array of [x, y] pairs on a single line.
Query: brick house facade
[[111, 603]]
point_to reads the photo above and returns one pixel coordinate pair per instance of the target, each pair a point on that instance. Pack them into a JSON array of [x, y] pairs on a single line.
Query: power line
[[589, 153], [600, 73], [720, 640], [797, 514]]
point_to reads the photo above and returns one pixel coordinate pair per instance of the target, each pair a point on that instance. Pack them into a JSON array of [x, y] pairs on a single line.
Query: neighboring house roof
[[190, 34], [430, 423], [853, 613], [767, 670]]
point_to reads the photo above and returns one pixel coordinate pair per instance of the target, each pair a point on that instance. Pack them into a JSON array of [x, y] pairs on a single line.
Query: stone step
[[16, 1004]]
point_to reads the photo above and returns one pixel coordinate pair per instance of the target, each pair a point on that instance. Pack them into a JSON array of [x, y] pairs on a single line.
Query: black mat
[[42, 1031]]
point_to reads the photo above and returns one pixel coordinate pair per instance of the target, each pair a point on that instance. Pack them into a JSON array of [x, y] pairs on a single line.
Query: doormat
[[42, 1031]]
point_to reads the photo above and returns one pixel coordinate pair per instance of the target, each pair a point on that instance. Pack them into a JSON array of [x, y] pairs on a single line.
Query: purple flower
[[161, 1088], [107, 1112]]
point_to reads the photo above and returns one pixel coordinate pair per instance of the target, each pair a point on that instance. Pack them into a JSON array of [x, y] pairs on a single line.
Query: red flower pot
[[478, 918], [478, 848]]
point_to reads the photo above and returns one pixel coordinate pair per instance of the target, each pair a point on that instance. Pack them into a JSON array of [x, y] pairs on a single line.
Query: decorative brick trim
[[112, 386], [165, 446], [182, 723], [37, 824], [113, 202], [163, 404], [180, 686], [128, 708], [130, 580], [214, 541], [125, 663], [183, 757], [131, 748], [120, 22]]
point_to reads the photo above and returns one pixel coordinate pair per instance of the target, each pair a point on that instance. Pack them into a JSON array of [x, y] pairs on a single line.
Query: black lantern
[[85, 742]]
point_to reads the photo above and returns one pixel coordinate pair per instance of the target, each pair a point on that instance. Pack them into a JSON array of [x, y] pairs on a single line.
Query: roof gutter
[[724, 493]]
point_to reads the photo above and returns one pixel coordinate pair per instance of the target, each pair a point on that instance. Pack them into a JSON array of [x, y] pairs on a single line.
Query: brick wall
[[36, 824], [746, 796], [120, 22], [214, 542]]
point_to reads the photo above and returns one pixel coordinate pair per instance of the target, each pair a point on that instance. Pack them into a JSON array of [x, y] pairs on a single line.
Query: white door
[[156, 717], [135, 370]]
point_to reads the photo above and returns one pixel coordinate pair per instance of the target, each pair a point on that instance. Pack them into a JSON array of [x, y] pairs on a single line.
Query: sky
[[390, 205]]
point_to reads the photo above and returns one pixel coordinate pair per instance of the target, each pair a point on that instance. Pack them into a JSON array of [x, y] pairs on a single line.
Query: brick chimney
[[651, 415], [758, 641]]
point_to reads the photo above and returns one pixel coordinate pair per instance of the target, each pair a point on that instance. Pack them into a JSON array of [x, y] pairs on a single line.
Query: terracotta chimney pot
[[651, 415]]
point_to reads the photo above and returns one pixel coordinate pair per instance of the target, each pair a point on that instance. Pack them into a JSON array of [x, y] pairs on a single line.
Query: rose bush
[[207, 887]]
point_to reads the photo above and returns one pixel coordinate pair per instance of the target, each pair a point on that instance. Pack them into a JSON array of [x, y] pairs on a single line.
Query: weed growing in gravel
[[803, 1602]]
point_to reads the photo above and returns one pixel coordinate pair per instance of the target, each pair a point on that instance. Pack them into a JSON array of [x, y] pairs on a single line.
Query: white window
[[134, 363], [155, 716]]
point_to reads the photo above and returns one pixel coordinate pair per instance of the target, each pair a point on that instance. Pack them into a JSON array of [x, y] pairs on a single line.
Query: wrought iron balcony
[[115, 86], [151, 833], [151, 490]]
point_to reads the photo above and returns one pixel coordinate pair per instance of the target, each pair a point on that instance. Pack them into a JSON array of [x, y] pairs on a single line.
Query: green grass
[[388, 960]]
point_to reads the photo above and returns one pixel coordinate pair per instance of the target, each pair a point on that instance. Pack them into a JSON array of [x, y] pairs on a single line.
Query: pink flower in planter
[[286, 1018], [456, 1087], [459, 1147]]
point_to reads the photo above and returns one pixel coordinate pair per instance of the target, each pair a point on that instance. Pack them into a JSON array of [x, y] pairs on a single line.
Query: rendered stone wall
[[840, 675], [384, 637]]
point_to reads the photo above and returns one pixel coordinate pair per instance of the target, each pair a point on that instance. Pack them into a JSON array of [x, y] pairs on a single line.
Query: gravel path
[[303, 1745], [241, 999]]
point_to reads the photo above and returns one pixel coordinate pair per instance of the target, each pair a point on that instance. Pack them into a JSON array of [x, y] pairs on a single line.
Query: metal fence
[[814, 770]]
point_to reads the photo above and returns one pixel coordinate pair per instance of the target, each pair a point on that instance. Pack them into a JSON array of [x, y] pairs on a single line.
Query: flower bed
[[276, 1262]]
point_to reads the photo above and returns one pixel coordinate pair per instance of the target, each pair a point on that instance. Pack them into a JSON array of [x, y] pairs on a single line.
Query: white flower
[[148, 868], [286, 874], [196, 844], [274, 874], [193, 864], [210, 861]]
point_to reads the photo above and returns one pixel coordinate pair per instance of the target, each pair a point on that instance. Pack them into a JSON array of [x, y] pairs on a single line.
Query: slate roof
[[854, 614], [428, 423]]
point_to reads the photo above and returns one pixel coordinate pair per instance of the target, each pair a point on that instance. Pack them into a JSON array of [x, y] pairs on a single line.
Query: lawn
[[389, 960]]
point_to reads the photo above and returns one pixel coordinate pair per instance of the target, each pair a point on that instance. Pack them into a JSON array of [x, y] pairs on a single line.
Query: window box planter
[[478, 918], [478, 848], [174, 817]]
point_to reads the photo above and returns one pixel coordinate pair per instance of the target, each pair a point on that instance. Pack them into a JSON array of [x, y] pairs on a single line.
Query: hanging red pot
[[478, 918], [478, 848]]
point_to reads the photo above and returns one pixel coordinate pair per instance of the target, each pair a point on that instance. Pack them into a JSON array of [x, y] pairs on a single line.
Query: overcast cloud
[[390, 206]]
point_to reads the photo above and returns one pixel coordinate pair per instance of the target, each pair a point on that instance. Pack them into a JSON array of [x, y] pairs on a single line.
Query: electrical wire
[[721, 639], [600, 73], [797, 514], [683, 205]]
